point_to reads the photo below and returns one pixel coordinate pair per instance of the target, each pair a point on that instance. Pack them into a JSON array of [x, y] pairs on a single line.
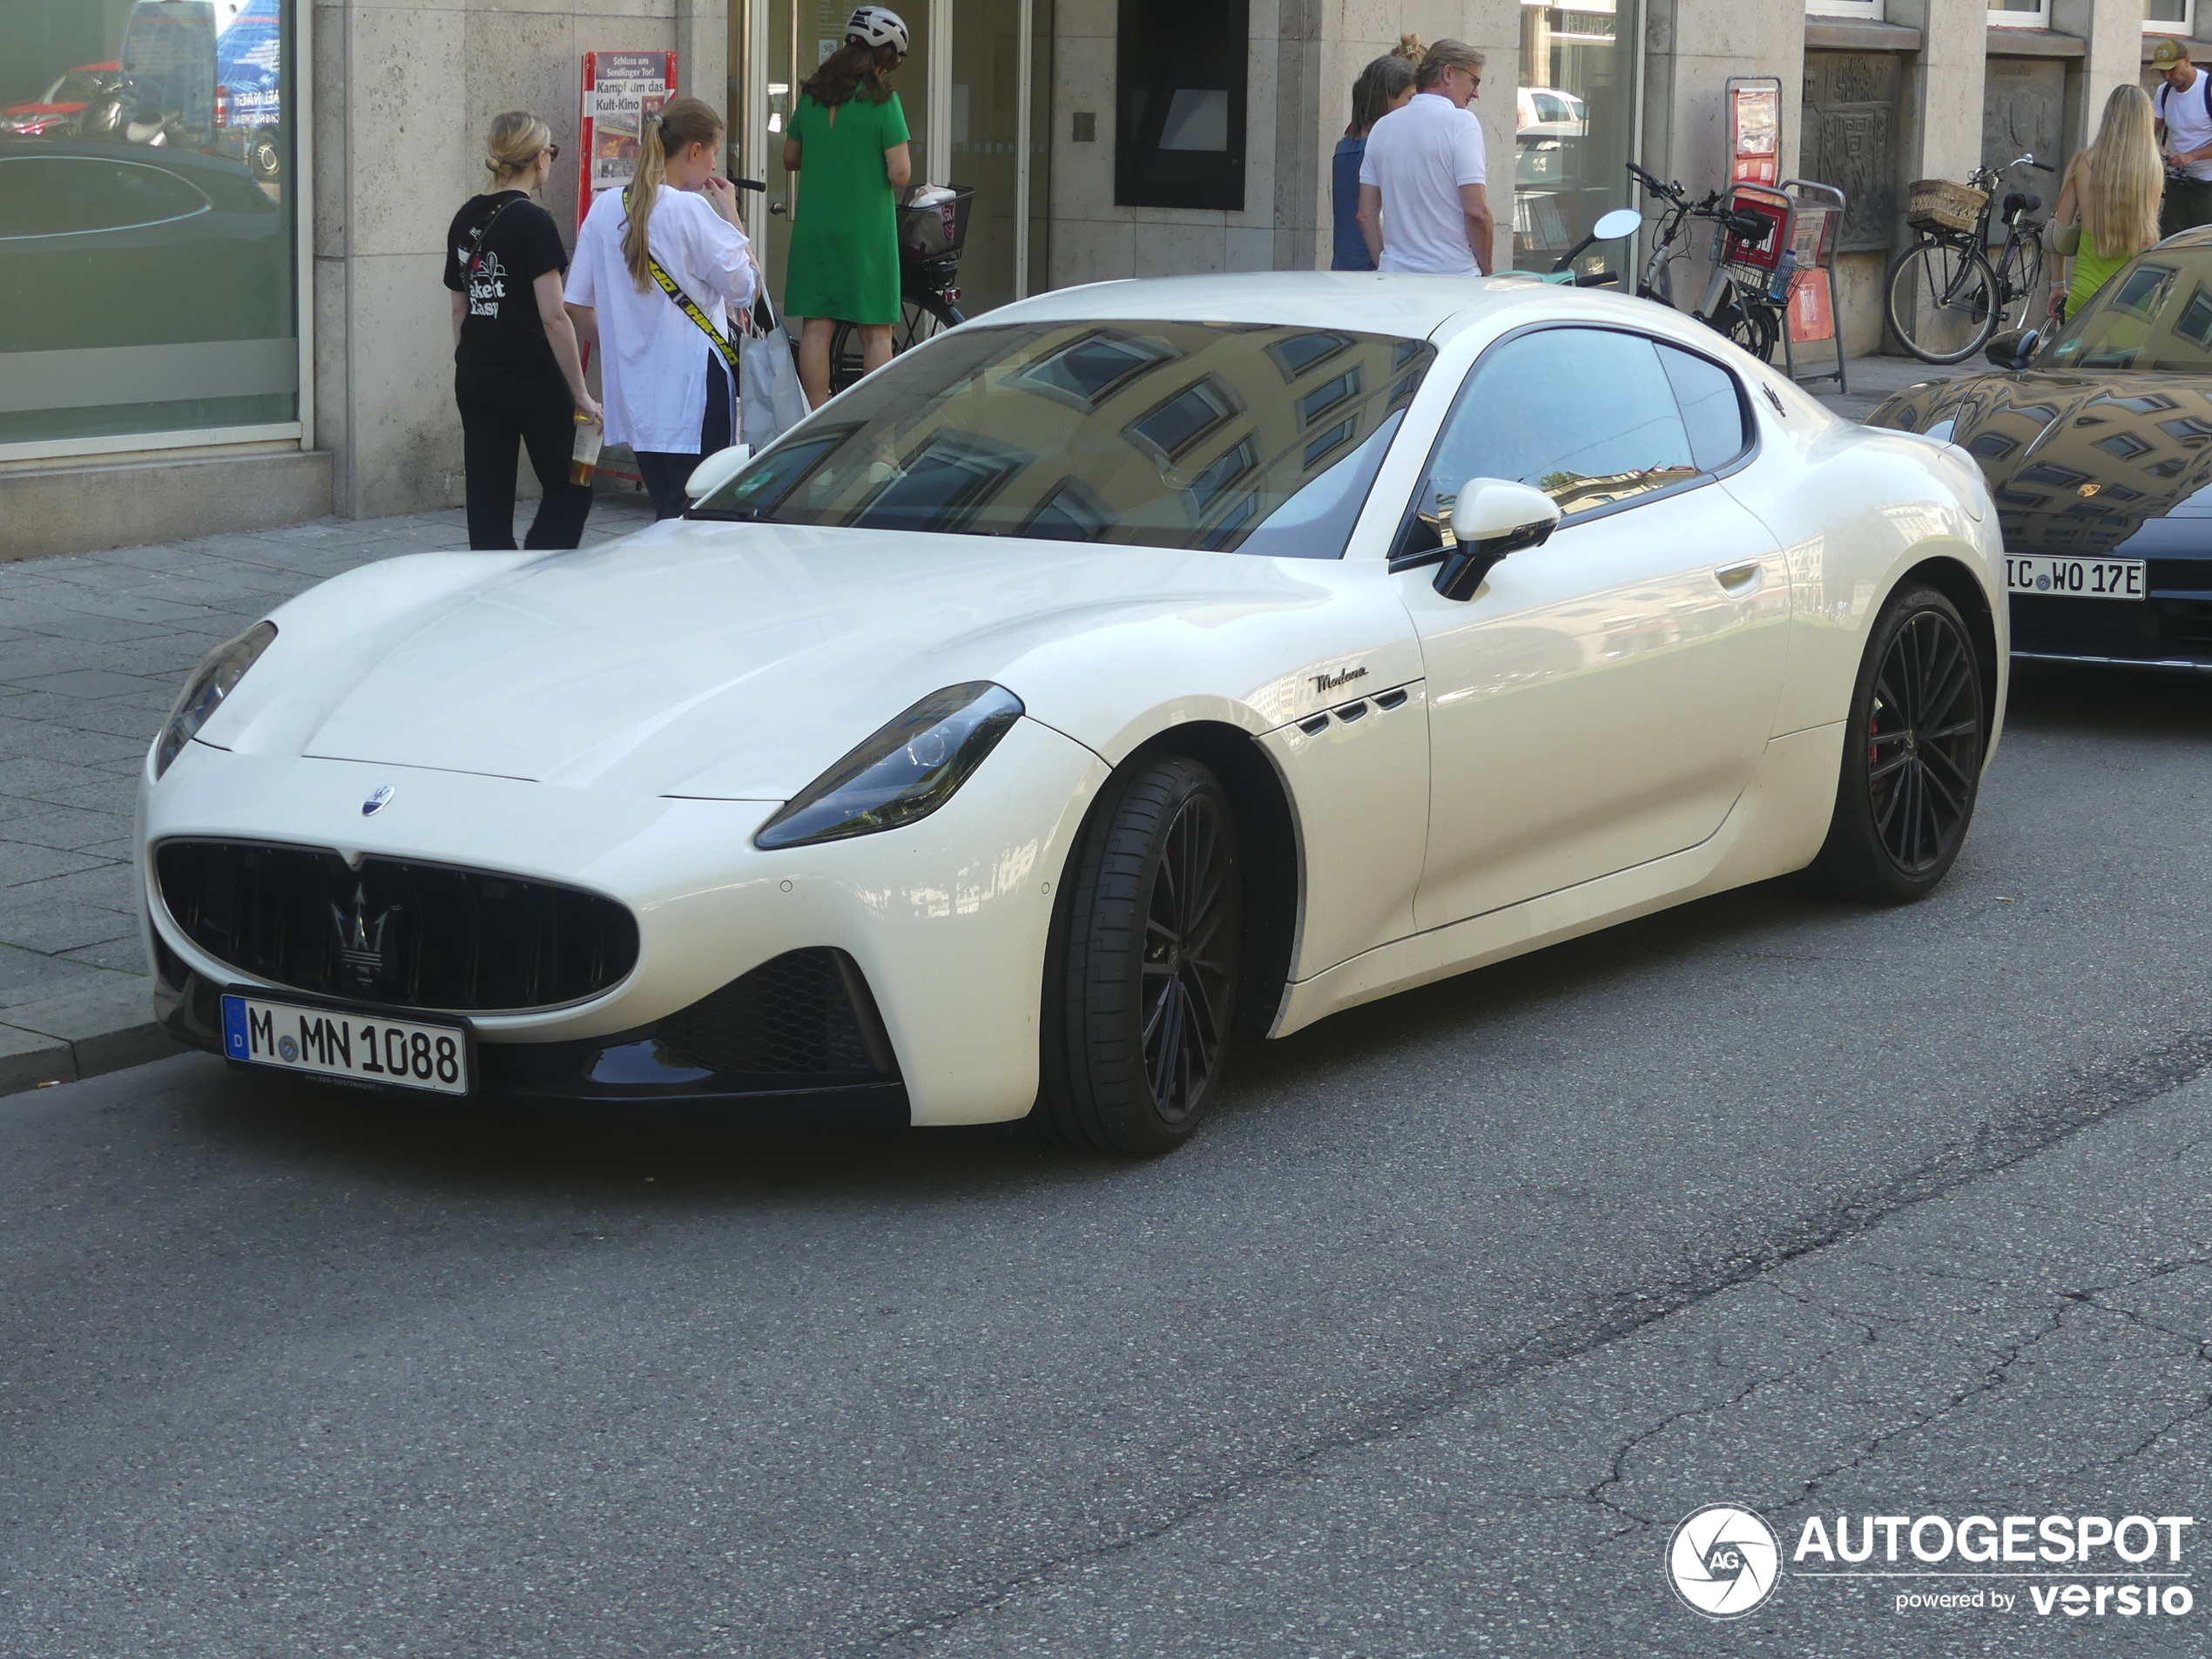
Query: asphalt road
[[1424, 1347]]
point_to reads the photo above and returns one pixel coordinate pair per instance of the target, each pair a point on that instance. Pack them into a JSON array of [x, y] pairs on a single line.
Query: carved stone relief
[[2023, 113], [1850, 120]]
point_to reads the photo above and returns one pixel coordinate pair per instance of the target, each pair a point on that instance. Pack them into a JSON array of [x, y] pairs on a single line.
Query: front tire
[[1912, 750], [1141, 978]]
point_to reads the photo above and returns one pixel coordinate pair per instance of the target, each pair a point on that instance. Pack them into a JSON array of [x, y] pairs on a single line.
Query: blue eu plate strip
[[234, 1027]]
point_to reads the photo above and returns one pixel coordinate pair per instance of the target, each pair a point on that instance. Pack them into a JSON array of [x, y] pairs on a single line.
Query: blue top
[[1350, 247]]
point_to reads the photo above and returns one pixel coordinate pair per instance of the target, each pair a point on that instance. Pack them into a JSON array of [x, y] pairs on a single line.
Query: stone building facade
[[296, 361]]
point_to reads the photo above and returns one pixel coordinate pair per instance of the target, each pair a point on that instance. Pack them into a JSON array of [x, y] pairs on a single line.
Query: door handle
[[1740, 577]]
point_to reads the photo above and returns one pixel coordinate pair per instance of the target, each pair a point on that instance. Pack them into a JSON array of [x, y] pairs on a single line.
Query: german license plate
[[2076, 578], [336, 1042]]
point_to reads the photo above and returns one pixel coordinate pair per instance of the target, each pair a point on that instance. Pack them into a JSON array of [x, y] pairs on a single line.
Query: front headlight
[[205, 692], [906, 771]]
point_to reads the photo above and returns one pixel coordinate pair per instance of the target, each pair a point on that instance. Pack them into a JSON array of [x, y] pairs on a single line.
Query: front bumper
[[2170, 629], [944, 920]]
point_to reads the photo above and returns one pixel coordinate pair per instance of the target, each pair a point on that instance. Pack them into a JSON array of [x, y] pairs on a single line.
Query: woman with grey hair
[[1384, 85]]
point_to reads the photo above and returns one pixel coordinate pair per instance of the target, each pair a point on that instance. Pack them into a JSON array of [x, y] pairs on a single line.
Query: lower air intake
[[806, 1014]]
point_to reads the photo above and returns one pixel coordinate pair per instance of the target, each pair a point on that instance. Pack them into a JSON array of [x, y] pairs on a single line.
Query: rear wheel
[[1141, 978], [920, 318], [1913, 751], [1941, 301], [1753, 329]]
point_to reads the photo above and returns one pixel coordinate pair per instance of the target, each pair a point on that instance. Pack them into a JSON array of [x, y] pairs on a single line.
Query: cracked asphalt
[[1424, 1347]]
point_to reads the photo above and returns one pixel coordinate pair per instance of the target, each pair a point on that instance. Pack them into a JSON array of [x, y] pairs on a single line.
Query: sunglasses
[[553, 151]]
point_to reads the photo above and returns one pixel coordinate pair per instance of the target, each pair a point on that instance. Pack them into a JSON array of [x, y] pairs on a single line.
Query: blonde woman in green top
[[850, 135], [2109, 200]]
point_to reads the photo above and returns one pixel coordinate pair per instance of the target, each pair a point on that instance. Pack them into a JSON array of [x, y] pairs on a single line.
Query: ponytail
[[683, 121]]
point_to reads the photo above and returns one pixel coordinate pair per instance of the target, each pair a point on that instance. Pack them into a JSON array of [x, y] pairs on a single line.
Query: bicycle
[[931, 236], [1946, 278], [1730, 305]]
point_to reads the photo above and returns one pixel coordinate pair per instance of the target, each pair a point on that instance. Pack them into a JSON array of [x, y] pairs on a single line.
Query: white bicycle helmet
[[878, 26]]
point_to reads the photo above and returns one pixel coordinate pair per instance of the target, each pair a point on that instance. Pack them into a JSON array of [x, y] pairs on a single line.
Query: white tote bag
[[770, 400]]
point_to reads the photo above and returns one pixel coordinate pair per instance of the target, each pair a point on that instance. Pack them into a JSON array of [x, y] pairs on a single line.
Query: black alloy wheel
[[1912, 753], [1141, 973]]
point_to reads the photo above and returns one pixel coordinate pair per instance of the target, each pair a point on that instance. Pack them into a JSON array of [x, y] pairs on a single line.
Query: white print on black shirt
[[487, 284]]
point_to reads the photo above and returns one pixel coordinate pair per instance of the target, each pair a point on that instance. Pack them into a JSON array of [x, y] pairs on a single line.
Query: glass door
[[779, 44], [976, 101]]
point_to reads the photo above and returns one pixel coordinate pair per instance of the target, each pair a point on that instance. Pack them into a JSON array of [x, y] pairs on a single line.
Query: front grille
[[807, 1012], [393, 931]]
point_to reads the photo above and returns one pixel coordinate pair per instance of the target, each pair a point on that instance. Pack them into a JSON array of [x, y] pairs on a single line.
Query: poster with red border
[[621, 91], [1812, 312], [1754, 129]]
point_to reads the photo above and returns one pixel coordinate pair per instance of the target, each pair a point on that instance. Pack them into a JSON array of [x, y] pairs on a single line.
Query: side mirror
[[2015, 349], [1492, 518], [1621, 221], [717, 470]]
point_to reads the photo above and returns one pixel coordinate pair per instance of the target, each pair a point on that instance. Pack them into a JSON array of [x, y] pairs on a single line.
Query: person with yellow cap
[[2183, 105]]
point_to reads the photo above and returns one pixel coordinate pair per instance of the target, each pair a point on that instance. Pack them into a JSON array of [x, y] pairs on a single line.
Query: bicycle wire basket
[[1753, 261], [938, 229], [1941, 205]]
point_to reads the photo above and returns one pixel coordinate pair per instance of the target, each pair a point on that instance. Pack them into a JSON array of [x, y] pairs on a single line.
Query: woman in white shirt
[[662, 377]]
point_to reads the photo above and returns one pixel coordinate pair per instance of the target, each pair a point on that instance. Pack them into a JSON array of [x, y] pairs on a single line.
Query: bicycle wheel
[[921, 317], [1753, 328], [1941, 300]]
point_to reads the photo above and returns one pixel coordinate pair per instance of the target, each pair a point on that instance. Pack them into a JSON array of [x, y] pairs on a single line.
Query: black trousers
[[666, 471], [499, 408], [2188, 204]]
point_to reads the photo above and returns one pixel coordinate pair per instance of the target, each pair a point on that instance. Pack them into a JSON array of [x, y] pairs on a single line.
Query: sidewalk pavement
[[93, 649]]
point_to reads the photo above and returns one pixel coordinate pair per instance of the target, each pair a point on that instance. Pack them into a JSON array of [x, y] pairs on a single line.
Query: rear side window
[[1712, 408]]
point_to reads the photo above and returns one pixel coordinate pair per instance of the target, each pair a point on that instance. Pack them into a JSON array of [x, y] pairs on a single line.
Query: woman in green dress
[[2107, 209], [850, 136]]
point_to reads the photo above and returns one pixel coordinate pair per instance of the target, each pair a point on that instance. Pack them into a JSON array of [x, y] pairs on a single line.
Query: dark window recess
[[402, 934], [1179, 132], [807, 1012]]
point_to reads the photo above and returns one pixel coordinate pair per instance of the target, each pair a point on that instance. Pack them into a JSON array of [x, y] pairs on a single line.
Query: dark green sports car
[[2097, 443]]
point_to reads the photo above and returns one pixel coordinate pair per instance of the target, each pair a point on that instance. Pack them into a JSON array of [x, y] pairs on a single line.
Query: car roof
[[1412, 307]]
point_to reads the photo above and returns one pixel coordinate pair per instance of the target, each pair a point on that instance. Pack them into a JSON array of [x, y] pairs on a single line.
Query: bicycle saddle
[[2021, 201]]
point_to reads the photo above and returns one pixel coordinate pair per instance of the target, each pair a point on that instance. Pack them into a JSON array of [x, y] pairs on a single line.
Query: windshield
[[1226, 436], [2156, 313]]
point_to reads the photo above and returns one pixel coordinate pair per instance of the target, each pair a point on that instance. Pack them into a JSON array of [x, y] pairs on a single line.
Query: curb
[[84, 1034]]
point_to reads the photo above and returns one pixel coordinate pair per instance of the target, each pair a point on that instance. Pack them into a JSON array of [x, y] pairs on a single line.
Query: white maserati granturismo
[[1143, 664]]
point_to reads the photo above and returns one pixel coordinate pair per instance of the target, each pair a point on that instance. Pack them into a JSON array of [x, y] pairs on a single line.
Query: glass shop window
[[148, 205], [1571, 115]]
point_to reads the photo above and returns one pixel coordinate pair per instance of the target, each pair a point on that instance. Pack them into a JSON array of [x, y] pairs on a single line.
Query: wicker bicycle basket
[[1939, 204]]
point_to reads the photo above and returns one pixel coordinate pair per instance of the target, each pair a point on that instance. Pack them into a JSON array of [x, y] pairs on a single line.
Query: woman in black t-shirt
[[518, 375]]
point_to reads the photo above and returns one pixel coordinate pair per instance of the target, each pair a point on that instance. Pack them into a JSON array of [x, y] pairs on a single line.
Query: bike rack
[[1814, 221]]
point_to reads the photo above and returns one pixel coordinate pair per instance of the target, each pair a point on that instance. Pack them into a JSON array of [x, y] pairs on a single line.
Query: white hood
[[731, 661]]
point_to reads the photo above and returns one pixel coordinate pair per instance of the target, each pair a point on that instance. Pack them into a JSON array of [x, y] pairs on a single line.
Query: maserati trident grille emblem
[[361, 937], [378, 801]]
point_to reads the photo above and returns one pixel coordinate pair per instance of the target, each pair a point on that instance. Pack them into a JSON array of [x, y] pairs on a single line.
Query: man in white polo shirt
[[1423, 202], [2184, 106]]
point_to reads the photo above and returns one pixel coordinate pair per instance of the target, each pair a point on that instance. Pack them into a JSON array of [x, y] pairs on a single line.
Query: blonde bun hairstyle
[[517, 138]]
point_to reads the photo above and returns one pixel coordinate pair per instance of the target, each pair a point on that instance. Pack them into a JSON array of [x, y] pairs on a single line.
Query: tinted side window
[[1586, 415], [1712, 410]]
